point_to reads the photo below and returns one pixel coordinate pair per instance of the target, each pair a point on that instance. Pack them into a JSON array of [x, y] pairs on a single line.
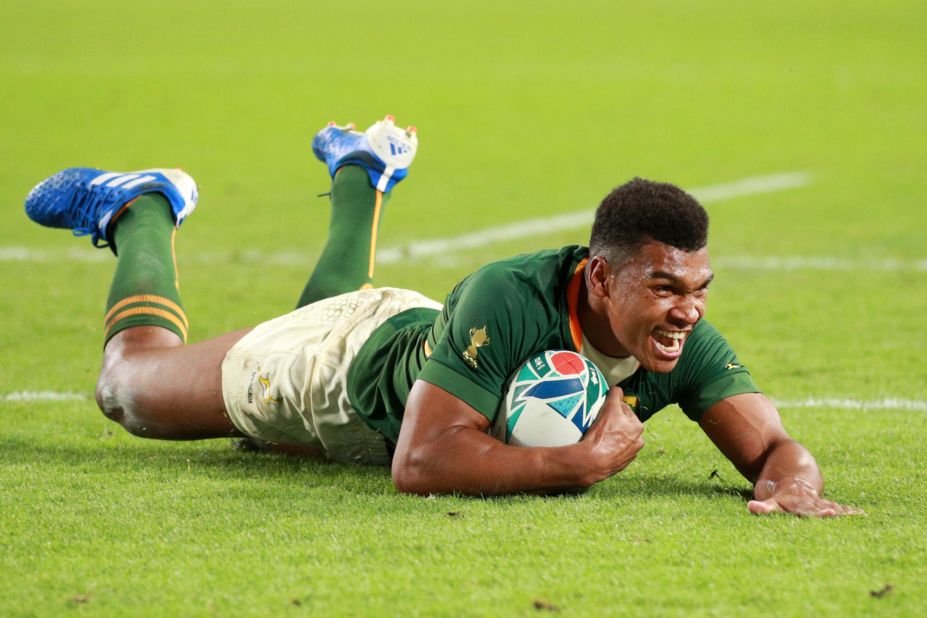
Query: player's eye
[[664, 290]]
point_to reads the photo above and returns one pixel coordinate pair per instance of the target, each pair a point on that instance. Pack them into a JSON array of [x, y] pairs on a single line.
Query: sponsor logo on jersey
[[251, 388], [478, 339], [632, 401]]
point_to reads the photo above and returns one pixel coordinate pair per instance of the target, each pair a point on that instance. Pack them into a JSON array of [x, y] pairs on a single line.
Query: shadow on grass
[[222, 461], [655, 486], [207, 458]]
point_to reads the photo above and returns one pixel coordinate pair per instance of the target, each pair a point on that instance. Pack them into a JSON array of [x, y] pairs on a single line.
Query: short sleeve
[[489, 330], [710, 372]]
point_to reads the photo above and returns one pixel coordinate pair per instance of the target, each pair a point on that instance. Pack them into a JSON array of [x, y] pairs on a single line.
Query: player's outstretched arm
[[443, 447], [748, 430]]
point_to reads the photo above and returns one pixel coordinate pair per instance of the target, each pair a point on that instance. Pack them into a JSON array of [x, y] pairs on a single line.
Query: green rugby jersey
[[499, 316]]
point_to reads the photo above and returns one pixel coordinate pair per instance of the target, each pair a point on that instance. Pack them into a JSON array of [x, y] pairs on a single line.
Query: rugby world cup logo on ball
[[553, 399]]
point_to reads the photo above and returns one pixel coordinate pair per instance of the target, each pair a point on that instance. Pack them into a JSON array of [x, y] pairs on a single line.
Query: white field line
[[582, 218], [842, 403], [42, 396]]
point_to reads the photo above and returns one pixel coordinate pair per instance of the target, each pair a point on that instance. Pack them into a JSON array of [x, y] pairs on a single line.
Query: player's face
[[655, 300]]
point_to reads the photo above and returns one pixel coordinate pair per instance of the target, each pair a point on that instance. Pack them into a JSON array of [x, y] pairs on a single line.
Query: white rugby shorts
[[285, 382]]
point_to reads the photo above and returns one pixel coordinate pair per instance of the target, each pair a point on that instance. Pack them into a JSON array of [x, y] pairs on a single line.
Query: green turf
[[524, 110]]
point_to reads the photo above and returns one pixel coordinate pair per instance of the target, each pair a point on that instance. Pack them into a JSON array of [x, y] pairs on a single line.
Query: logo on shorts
[[478, 339], [732, 366], [268, 399]]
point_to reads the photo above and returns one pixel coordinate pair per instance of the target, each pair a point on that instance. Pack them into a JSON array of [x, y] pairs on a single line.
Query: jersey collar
[[573, 289]]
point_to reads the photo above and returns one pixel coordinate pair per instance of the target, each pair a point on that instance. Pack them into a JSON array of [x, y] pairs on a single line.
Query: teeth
[[675, 338], [671, 348]]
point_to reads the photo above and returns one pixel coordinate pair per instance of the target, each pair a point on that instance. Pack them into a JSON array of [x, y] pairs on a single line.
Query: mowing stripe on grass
[[443, 246]]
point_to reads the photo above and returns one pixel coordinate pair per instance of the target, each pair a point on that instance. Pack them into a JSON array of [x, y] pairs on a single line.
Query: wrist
[[571, 464], [589, 470]]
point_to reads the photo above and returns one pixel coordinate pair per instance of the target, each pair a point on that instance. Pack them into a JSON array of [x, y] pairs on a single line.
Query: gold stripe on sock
[[377, 205], [174, 257], [152, 311], [147, 298]]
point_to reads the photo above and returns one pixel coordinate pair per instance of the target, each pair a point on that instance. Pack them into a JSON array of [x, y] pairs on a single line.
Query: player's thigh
[[168, 392]]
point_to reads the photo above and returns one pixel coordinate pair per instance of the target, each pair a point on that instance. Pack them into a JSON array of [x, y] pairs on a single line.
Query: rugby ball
[[552, 399]]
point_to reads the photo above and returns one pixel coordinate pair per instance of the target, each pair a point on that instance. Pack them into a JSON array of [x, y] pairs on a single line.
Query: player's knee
[[117, 401]]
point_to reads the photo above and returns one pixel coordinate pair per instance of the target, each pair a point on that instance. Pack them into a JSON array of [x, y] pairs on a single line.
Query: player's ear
[[597, 273]]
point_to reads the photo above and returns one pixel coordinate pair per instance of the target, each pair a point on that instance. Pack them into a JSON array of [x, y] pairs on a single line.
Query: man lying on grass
[[386, 376]]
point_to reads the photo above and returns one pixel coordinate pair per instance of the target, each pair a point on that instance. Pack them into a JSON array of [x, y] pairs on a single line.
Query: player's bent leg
[[150, 382], [136, 213], [156, 387], [364, 168]]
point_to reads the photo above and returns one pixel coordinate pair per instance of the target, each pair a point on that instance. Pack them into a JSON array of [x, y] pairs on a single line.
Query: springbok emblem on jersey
[[478, 338], [269, 400]]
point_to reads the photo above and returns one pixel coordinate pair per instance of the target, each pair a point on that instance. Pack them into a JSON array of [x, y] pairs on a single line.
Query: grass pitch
[[525, 110]]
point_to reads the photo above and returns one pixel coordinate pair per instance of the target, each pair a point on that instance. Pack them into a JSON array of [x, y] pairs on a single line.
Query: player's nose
[[688, 310]]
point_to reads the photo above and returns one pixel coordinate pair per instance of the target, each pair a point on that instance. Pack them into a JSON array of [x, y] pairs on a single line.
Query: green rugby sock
[[347, 261], [145, 291]]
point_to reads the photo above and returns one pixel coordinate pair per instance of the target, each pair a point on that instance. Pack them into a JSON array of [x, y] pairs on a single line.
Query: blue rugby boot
[[384, 150], [88, 200]]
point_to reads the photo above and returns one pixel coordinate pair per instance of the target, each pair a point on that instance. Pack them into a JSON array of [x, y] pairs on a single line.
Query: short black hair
[[641, 211]]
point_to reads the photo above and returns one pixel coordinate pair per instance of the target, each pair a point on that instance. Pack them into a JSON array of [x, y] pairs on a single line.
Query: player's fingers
[[825, 508], [601, 421], [807, 506], [605, 410], [612, 401], [829, 506], [616, 393], [764, 507]]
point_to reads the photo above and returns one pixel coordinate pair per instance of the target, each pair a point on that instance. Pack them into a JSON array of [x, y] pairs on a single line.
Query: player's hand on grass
[[615, 437], [798, 497]]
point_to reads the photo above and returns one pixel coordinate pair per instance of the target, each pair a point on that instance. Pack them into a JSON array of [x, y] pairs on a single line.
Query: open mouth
[[668, 343]]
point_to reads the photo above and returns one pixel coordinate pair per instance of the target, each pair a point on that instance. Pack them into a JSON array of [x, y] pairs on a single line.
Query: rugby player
[[387, 376]]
